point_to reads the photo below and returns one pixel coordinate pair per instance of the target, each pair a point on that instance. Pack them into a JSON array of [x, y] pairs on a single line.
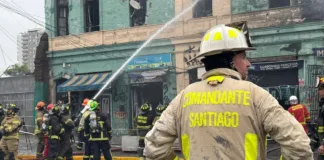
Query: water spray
[[144, 45]]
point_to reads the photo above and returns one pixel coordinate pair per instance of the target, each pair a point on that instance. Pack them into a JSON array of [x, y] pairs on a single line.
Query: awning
[[85, 82]]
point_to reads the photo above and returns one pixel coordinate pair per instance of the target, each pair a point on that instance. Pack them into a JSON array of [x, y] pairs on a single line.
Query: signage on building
[[154, 61], [269, 66], [319, 52]]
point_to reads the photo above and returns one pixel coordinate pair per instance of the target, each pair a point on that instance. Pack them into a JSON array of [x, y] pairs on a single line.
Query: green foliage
[[16, 70]]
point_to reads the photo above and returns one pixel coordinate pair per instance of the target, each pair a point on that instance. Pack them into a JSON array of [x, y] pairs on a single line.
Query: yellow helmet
[[222, 38]]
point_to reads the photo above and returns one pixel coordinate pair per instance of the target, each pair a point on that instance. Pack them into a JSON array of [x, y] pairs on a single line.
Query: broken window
[[62, 17], [91, 15], [138, 12], [203, 8], [278, 3]]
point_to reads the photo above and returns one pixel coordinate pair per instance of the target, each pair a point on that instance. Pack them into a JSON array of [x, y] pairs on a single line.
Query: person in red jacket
[[300, 112]]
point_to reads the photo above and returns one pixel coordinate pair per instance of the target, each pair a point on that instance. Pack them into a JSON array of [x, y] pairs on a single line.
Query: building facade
[[27, 43], [90, 40]]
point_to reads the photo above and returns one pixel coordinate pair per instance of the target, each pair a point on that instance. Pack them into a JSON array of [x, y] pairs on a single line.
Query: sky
[[15, 24]]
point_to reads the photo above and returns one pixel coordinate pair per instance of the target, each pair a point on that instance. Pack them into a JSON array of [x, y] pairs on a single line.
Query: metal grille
[[310, 89]]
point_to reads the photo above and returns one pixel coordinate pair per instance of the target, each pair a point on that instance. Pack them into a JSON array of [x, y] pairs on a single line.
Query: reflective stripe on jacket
[[224, 117]]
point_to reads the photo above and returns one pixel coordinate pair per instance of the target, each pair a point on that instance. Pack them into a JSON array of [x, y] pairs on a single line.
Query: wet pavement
[[28, 143]]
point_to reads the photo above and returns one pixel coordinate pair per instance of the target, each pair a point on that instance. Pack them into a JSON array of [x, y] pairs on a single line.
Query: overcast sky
[[15, 24]]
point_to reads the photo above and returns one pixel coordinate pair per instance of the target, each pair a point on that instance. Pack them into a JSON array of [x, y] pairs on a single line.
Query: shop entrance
[[151, 93]]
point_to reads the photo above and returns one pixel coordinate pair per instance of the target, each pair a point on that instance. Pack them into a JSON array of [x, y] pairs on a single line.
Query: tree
[[16, 70]]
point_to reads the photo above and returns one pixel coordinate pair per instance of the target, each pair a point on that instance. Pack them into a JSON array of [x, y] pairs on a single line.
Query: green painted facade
[[109, 59], [160, 12], [113, 14], [291, 40], [41, 93]]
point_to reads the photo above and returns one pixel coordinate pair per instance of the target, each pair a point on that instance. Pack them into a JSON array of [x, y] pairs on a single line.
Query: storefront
[[281, 79], [152, 81]]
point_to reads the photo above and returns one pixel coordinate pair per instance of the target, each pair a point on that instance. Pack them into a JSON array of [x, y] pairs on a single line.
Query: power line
[[7, 34], [4, 53]]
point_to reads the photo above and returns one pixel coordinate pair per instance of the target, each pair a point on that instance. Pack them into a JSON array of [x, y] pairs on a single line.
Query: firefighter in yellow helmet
[[144, 123], [224, 116], [10, 130], [40, 111], [159, 109]]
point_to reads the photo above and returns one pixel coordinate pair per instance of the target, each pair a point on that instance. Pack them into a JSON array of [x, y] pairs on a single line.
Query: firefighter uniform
[[87, 150], [68, 124], [10, 129], [40, 135], [97, 126], [301, 114], [320, 124], [144, 123], [55, 132], [224, 116], [159, 109]]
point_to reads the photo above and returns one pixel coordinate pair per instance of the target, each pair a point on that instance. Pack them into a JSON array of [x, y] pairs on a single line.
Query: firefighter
[[10, 130], [2, 116], [159, 109], [320, 125], [45, 129], [40, 111], [300, 112], [144, 123], [87, 150], [68, 124], [224, 116], [55, 132], [97, 126]]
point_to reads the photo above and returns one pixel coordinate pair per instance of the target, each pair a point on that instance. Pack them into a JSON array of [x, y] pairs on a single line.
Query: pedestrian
[[98, 129], [224, 116]]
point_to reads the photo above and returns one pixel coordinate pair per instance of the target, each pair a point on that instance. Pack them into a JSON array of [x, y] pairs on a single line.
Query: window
[[278, 3], [203, 8], [91, 15], [62, 17], [138, 14]]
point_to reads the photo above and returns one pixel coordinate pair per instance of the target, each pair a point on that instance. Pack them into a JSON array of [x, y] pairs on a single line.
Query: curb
[[29, 157]]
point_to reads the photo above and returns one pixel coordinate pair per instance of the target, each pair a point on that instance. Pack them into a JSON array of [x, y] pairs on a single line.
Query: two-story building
[[90, 39]]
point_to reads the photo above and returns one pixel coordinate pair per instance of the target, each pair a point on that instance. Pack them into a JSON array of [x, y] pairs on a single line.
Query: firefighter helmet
[[40, 105], [145, 107], [85, 102], [65, 108], [293, 100], [12, 109], [159, 109], [50, 107], [55, 110], [93, 105], [222, 38]]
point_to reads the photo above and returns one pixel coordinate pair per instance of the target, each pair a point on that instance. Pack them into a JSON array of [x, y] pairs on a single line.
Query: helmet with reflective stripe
[[145, 107], [222, 38], [93, 105], [160, 108]]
